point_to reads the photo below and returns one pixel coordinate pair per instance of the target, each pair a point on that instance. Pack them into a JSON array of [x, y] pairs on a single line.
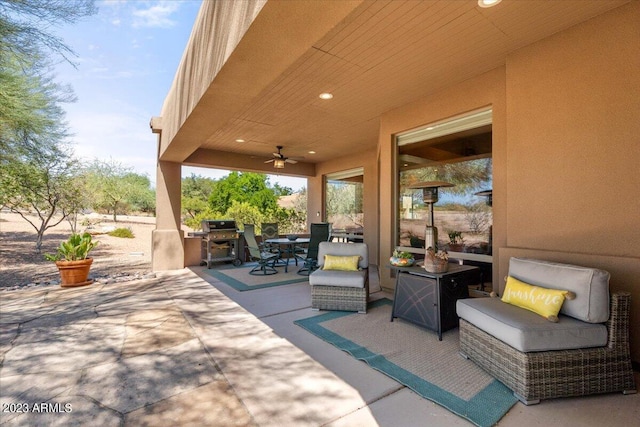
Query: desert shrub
[[122, 232]]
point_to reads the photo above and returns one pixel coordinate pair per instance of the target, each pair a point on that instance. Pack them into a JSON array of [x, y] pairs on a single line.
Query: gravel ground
[[115, 258]]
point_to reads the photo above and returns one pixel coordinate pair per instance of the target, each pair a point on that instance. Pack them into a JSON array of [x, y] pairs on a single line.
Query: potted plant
[[456, 243], [415, 241], [402, 259], [436, 262], [72, 260]]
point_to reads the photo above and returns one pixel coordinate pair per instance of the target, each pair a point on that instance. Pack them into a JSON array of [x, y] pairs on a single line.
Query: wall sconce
[[278, 163], [430, 196]]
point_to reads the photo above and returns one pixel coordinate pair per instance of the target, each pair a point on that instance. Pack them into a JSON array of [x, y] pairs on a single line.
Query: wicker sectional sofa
[[586, 352]]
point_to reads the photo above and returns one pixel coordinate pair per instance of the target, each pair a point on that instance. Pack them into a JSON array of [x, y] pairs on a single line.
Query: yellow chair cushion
[[543, 301], [341, 263]]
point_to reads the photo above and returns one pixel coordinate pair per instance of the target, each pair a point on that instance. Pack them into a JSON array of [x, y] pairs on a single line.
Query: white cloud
[[158, 15], [124, 74]]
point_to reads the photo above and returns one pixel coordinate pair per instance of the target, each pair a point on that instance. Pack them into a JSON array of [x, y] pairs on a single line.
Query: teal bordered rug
[[240, 279], [414, 357]]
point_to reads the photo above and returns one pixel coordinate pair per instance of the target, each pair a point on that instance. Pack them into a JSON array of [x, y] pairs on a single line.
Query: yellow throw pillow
[[543, 301], [341, 263]]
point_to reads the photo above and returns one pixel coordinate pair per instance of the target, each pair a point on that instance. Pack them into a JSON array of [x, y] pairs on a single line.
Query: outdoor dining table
[[289, 246]]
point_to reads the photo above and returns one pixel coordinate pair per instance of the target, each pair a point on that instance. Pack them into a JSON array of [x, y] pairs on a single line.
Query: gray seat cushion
[[590, 285], [527, 331], [349, 279]]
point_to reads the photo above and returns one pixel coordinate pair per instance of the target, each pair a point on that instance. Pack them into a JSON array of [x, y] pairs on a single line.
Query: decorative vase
[[74, 273], [401, 262]]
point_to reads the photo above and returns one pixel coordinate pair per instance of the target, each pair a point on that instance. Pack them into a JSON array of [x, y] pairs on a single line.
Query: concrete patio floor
[[185, 349]]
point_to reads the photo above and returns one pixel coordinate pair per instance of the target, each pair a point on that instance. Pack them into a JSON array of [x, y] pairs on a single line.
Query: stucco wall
[[573, 108], [573, 149], [566, 150], [167, 238]]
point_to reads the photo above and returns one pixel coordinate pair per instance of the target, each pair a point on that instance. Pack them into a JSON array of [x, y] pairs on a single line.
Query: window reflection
[[344, 203], [463, 218]]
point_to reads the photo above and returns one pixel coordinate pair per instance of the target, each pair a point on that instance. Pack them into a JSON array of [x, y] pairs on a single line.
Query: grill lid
[[209, 225]]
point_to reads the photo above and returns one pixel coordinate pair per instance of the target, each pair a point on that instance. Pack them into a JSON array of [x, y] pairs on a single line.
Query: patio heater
[[489, 195], [430, 196]]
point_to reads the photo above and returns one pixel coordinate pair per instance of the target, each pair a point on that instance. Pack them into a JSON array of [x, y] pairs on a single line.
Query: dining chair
[[320, 232], [269, 231], [266, 260]]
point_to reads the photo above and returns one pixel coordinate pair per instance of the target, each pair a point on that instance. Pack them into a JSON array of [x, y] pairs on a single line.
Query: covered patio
[[187, 349], [561, 81]]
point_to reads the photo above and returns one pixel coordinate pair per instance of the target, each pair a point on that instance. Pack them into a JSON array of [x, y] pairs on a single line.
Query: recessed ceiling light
[[239, 140], [312, 152], [325, 95], [488, 3]]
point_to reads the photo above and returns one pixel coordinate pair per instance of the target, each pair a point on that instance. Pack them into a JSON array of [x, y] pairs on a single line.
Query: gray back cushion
[[342, 249], [590, 285]]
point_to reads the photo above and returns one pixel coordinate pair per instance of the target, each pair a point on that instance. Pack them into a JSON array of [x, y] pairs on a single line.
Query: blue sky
[[128, 54]]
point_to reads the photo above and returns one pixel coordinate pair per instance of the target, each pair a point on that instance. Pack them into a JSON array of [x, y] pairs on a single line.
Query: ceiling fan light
[[278, 163]]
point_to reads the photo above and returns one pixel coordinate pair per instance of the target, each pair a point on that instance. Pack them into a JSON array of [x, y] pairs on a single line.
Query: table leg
[[395, 297]]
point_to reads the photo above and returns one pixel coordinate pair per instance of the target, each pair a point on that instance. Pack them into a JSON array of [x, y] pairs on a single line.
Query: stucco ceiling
[[383, 55]]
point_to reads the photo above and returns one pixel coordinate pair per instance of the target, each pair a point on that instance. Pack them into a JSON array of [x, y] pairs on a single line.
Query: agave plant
[[77, 247]]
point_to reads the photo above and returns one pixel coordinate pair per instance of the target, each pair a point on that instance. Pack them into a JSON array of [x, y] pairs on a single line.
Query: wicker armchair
[[341, 290], [563, 373]]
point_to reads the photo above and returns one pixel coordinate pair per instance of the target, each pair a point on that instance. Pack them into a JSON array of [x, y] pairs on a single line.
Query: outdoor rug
[[415, 358], [240, 279]]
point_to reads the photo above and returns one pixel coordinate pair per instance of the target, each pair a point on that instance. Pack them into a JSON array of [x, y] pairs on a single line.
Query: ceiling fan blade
[[291, 161], [269, 161]]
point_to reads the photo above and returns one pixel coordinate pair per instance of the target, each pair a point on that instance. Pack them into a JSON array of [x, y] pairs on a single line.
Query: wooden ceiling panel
[[526, 21], [383, 55]]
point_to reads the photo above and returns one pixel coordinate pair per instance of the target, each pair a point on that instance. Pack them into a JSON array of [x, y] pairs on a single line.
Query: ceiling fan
[[279, 159]]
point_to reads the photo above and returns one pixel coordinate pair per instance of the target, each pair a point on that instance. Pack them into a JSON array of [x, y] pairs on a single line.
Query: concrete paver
[[131, 383], [213, 404]]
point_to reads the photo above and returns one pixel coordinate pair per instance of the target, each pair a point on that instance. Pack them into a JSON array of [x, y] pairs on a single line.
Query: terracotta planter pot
[[74, 273], [456, 247]]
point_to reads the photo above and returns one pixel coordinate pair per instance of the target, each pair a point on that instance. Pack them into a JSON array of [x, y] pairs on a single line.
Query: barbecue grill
[[220, 242]]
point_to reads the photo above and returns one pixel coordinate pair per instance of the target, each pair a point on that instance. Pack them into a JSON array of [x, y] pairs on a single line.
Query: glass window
[[344, 202], [459, 155]]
